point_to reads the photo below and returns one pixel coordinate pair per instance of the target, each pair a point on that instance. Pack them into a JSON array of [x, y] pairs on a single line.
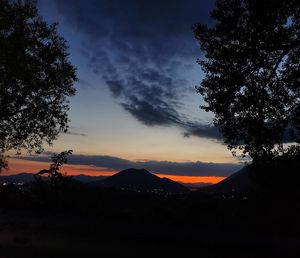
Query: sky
[[136, 103]]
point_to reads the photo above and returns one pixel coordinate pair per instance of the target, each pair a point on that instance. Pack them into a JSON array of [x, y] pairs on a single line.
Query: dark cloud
[[148, 114], [191, 168], [75, 133], [116, 87], [142, 50], [201, 130], [164, 167]]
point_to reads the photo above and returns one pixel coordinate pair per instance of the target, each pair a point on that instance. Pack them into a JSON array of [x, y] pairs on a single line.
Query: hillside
[[239, 182], [142, 180]]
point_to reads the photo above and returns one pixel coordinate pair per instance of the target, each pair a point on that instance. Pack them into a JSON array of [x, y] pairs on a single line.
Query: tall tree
[[252, 68], [35, 79]]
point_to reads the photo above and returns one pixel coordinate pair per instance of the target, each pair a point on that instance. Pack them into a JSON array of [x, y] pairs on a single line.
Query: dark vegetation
[[36, 78], [110, 222], [55, 178], [252, 75]]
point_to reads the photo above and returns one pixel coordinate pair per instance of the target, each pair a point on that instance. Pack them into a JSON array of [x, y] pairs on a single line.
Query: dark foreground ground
[[79, 221]]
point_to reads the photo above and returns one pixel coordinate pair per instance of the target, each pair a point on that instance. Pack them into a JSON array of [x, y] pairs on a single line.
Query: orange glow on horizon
[[194, 179], [17, 166]]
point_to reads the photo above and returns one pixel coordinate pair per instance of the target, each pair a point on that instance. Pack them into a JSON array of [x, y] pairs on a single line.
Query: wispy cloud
[[143, 51], [75, 133]]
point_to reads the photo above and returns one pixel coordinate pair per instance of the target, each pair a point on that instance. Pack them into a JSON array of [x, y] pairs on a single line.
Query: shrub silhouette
[[55, 178]]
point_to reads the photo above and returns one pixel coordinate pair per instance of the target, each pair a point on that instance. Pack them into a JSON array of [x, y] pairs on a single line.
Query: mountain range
[[28, 177], [142, 180], [139, 180]]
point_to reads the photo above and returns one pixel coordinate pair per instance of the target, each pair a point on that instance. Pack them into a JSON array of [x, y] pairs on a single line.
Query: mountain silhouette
[[28, 177], [239, 182], [143, 180], [18, 178]]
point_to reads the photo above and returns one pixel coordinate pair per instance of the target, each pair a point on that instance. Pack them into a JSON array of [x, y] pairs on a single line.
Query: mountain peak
[[142, 180]]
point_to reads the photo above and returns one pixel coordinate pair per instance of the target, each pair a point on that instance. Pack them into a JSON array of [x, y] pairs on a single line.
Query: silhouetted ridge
[[239, 182], [143, 180], [18, 178], [28, 178]]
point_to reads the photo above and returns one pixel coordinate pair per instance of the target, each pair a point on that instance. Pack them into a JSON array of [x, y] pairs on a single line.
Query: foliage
[[3, 161], [35, 79], [279, 174], [56, 178], [252, 66]]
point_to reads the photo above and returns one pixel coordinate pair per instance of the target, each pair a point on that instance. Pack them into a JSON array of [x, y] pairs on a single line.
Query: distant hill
[[131, 179], [142, 180], [28, 177], [19, 178], [239, 182], [88, 179]]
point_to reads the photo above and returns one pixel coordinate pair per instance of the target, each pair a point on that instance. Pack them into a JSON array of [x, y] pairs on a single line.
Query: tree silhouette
[[35, 79], [252, 68], [56, 178]]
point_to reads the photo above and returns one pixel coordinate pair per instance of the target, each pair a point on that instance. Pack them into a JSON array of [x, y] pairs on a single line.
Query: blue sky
[[137, 70]]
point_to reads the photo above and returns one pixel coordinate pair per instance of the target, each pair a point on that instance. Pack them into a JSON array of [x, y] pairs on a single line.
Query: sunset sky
[[136, 104]]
